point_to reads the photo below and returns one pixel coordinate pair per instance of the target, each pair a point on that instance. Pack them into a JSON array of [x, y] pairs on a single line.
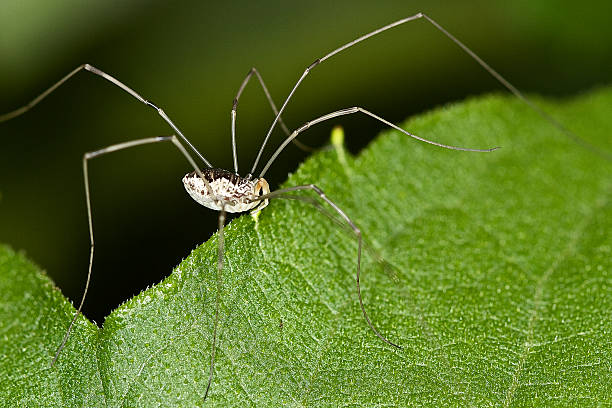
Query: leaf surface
[[497, 284]]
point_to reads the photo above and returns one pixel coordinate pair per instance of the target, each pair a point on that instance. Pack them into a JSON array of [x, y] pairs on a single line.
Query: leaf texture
[[497, 283]]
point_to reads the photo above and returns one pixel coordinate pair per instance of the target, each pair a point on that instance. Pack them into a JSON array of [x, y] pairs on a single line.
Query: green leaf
[[499, 288]]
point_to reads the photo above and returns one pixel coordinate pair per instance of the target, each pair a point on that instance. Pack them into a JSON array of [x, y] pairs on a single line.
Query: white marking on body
[[227, 190]]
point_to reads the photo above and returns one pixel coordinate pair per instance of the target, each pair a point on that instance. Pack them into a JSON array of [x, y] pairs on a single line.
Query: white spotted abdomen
[[227, 190]]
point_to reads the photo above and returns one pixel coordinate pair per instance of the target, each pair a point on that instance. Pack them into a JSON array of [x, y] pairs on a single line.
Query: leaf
[[499, 288]]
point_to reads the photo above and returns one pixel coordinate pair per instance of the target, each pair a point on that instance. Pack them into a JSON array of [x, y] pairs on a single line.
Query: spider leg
[[220, 254], [503, 81], [254, 71], [355, 230], [19, 111], [350, 111], [86, 157], [388, 267]]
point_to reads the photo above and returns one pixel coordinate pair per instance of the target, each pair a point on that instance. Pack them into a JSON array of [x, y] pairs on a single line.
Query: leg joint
[[314, 64], [317, 189]]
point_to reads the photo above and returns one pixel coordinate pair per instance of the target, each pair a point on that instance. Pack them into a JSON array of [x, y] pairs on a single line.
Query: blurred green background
[[190, 57]]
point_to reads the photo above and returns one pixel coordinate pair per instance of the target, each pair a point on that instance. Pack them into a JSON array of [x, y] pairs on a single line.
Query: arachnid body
[[238, 194]]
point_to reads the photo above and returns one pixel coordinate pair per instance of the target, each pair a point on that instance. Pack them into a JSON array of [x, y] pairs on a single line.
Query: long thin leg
[[550, 119], [220, 254], [88, 156], [356, 231], [467, 50], [343, 227], [254, 71], [6, 116], [314, 64], [349, 111]]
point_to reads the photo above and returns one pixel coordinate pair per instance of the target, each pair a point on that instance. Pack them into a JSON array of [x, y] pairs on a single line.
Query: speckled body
[[227, 190]]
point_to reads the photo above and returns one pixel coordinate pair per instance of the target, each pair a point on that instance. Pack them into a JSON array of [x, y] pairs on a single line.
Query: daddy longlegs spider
[[228, 192]]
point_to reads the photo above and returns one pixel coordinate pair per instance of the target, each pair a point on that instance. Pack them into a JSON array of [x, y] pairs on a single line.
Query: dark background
[[190, 58]]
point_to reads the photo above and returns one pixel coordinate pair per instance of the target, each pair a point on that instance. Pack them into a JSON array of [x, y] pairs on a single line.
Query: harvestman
[[225, 191]]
